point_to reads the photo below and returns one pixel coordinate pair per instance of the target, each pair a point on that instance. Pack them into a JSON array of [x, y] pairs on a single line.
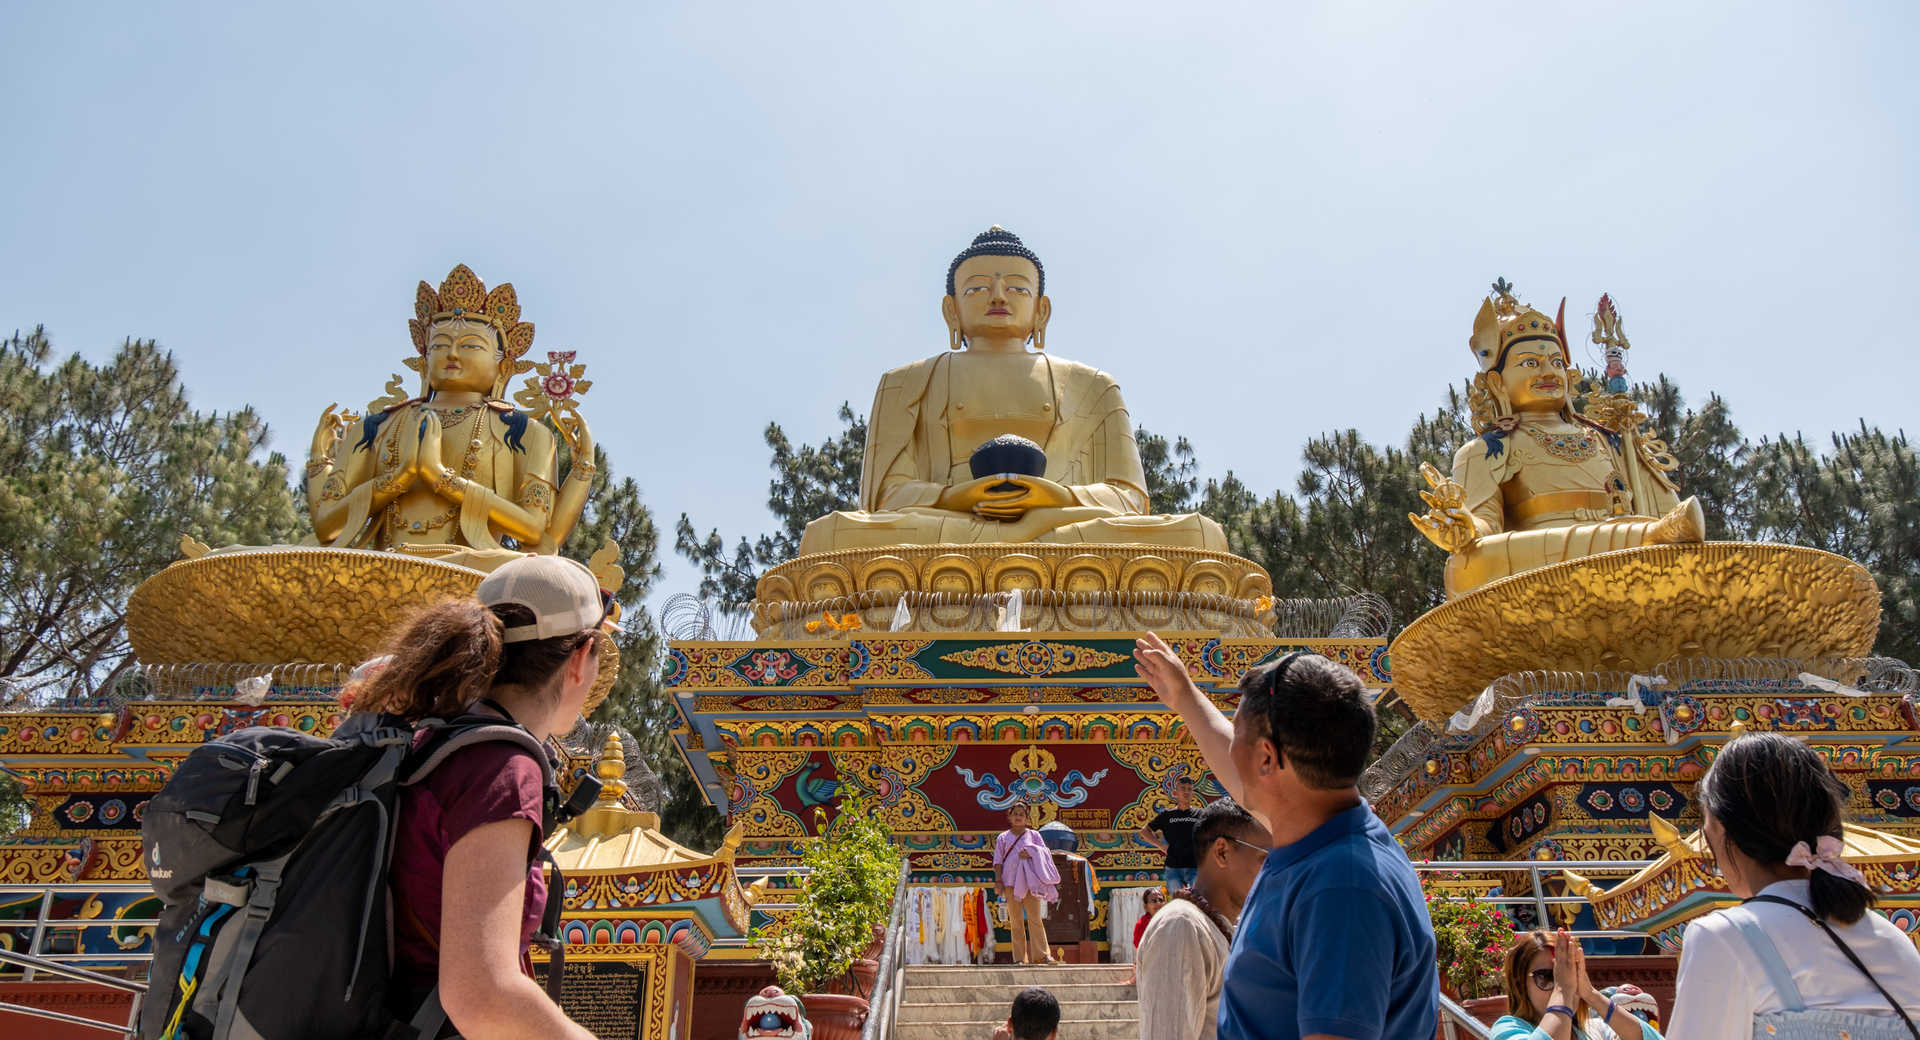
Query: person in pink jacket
[[1025, 875]]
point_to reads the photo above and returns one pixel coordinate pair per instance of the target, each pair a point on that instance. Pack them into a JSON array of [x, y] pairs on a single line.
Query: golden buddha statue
[[1542, 484], [929, 418], [457, 473]]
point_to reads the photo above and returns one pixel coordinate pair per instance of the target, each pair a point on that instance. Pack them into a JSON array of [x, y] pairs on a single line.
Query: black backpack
[[269, 848]]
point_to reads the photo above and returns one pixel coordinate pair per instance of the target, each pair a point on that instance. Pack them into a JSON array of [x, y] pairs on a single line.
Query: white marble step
[[1069, 993], [996, 1011], [1094, 1029]]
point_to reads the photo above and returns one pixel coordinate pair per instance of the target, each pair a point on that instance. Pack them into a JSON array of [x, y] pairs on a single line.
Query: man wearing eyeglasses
[[1334, 942], [1183, 955]]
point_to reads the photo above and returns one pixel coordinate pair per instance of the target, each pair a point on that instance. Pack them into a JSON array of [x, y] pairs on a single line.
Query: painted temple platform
[[1063, 587], [940, 732], [1592, 766]]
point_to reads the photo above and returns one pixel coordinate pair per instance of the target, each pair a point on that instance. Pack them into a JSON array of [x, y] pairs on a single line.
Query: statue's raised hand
[[1447, 523], [326, 436], [573, 430]]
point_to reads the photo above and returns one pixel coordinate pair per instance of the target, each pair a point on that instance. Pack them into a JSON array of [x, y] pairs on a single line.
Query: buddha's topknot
[[997, 241]]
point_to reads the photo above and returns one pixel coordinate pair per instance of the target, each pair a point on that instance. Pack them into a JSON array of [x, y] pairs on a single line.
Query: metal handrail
[[1456, 1021], [883, 1005], [1539, 899], [52, 967]]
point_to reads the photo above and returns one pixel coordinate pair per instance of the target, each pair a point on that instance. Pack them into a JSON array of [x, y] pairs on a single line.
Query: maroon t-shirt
[[476, 785]]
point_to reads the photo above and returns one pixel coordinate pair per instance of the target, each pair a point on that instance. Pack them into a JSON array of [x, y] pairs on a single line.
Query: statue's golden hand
[[573, 430], [1001, 504], [1447, 523], [427, 463], [326, 436]]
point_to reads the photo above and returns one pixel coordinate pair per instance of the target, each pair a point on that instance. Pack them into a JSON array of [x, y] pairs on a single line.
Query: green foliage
[[107, 466], [1345, 529], [15, 809], [808, 481], [1173, 472], [1470, 940], [848, 897]]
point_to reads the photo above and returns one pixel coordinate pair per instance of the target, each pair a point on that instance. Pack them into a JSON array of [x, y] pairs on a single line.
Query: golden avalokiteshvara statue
[[1541, 484], [456, 473], [929, 418], [411, 500]]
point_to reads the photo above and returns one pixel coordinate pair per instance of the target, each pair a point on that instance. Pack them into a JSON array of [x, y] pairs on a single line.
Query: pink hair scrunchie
[[1825, 856]]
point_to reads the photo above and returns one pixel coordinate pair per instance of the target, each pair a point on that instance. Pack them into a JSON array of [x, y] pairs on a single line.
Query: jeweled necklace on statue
[[1192, 895], [468, 463], [1576, 446]]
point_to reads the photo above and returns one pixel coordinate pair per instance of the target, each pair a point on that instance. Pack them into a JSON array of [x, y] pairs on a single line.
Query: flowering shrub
[[1470, 941], [848, 896]]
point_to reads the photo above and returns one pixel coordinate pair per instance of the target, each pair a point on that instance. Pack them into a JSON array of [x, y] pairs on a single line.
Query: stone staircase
[[966, 1003]]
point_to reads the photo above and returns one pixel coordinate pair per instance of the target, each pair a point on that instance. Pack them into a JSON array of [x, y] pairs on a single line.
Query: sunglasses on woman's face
[[1542, 977]]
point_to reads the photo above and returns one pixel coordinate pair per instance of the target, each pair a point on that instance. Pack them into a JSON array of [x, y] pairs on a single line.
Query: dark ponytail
[[1772, 792], [450, 654]]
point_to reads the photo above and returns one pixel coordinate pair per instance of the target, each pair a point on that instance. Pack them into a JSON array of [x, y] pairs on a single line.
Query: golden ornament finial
[[193, 548], [605, 565], [1736, 730], [611, 768], [1579, 885], [1668, 837]]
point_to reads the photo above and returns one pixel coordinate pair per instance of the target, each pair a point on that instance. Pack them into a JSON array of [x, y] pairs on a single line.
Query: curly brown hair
[[450, 654]]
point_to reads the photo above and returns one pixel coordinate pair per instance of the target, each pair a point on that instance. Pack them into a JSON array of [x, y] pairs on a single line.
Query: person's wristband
[[1608, 1017], [1562, 1008]]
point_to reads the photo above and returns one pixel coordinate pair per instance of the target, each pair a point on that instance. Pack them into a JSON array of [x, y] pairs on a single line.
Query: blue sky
[[1267, 220]]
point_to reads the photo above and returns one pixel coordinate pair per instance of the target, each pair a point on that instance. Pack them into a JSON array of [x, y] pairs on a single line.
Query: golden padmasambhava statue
[[1541, 484], [457, 473], [918, 486]]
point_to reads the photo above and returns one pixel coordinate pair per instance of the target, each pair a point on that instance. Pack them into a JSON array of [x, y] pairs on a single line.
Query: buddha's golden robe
[[1552, 491], [930, 416]]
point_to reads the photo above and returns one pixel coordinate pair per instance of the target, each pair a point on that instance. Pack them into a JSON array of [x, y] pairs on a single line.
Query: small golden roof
[[611, 836]]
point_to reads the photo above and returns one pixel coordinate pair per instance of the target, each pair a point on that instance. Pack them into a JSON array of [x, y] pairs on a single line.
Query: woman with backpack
[[525, 649], [1803, 955]]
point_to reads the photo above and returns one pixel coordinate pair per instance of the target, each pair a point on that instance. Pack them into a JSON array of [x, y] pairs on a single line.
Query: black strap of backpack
[[549, 935], [1844, 948]]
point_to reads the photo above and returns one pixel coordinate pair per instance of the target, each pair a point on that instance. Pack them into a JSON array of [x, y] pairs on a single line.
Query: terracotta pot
[[835, 1017], [1487, 1009], [865, 974]]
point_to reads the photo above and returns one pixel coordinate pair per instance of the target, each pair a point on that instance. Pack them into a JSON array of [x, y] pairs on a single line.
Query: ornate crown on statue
[[1502, 322], [464, 296]]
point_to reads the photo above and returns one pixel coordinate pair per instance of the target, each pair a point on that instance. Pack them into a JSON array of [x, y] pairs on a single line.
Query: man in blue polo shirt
[[1334, 942]]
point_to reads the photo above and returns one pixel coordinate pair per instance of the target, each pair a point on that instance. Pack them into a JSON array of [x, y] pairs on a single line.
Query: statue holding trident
[[1541, 483]]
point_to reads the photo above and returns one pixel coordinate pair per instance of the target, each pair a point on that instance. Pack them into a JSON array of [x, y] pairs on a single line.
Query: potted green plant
[[845, 902], [1471, 939]]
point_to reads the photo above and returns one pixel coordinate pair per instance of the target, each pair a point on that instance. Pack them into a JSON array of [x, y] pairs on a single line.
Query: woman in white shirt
[[1804, 955]]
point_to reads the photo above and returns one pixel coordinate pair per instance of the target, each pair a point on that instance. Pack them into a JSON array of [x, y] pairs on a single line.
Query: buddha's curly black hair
[[997, 241]]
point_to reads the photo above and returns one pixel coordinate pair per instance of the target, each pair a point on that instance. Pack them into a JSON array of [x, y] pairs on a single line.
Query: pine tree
[[1172, 472], [107, 467], [638, 703], [808, 482]]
